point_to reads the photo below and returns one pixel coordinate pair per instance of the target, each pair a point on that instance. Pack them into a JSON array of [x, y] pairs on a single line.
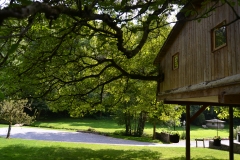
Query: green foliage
[[12, 111], [183, 135], [236, 131], [168, 114], [171, 132], [217, 137], [200, 120], [77, 64], [223, 112]]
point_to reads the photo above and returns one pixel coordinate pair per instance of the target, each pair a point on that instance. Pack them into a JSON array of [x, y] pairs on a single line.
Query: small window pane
[[175, 61], [220, 36]]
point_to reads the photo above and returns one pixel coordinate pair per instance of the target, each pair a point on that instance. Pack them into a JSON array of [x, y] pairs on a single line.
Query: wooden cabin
[[200, 61], [193, 59]]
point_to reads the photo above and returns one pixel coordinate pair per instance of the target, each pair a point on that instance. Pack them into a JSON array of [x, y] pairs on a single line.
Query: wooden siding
[[197, 62]]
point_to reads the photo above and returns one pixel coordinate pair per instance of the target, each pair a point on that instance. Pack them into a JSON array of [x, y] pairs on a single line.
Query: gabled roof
[[181, 21], [170, 39]]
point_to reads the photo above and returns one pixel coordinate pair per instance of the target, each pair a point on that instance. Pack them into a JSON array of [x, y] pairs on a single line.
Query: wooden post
[[198, 113], [231, 155], [188, 157]]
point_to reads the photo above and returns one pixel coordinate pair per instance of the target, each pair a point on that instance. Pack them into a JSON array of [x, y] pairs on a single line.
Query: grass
[[108, 126], [103, 125], [17, 149], [11, 149], [3, 125]]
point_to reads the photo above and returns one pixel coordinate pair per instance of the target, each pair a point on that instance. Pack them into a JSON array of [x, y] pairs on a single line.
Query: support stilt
[[231, 156], [188, 157]]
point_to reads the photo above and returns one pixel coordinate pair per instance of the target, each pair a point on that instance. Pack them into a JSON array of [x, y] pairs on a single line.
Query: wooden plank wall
[[197, 62]]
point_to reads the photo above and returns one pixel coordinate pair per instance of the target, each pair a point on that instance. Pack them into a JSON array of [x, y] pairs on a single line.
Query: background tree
[[12, 111], [200, 120], [223, 112], [134, 106]]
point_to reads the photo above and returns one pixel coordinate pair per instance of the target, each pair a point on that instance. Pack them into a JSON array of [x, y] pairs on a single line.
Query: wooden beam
[[231, 155], [204, 95], [226, 81], [230, 99], [198, 103], [198, 113], [188, 156]]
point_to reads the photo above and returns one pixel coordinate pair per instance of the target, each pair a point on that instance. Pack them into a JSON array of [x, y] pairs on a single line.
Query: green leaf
[[13, 48], [1, 96]]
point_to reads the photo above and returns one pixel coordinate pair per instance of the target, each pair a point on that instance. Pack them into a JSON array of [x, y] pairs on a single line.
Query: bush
[[235, 132], [183, 135], [119, 132]]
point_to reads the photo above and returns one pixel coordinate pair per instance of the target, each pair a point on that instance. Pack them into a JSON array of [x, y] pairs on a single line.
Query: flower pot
[[217, 142], [174, 138]]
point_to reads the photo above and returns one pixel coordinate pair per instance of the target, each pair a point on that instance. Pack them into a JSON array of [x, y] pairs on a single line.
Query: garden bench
[[200, 139]]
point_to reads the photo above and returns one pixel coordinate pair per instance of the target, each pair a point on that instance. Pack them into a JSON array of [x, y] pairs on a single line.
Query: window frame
[[173, 61], [213, 37]]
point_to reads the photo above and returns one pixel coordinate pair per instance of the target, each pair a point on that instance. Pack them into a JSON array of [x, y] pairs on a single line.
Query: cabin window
[[175, 61], [219, 36]]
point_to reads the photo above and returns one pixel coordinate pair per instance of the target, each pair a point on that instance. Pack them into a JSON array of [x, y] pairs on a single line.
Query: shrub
[[119, 132], [235, 131], [183, 135]]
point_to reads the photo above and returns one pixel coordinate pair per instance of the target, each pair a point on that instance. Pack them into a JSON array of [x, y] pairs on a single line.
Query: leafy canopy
[[81, 52]]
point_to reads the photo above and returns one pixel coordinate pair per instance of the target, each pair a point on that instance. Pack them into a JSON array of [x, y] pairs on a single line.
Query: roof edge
[[181, 21]]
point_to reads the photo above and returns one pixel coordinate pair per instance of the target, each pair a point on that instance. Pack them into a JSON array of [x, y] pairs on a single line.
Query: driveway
[[56, 135], [65, 136]]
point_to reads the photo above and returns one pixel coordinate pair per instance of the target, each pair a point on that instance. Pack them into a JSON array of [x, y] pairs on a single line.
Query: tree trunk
[[135, 122], [154, 130], [9, 129], [141, 123], [38, 114], [127, 124]]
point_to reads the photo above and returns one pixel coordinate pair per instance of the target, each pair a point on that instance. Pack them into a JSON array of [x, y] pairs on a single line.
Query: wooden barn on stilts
[[200, 61]]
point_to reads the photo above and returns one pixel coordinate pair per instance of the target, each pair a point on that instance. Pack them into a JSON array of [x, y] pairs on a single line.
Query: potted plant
[[174, 137], [217, 141]]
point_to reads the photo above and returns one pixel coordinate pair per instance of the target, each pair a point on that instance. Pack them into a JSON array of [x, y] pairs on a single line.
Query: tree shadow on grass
[[19, 152]]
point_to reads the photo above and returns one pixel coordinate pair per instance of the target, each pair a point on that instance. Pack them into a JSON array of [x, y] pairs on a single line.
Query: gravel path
[[65, 136]]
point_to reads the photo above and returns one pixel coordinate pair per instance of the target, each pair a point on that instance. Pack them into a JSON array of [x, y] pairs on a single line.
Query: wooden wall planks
[[197, 62]]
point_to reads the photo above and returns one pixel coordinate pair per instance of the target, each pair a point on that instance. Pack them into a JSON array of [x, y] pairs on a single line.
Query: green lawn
[[103, 125], [110, 126], [3, 125], [17, 149], [11, 149]]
